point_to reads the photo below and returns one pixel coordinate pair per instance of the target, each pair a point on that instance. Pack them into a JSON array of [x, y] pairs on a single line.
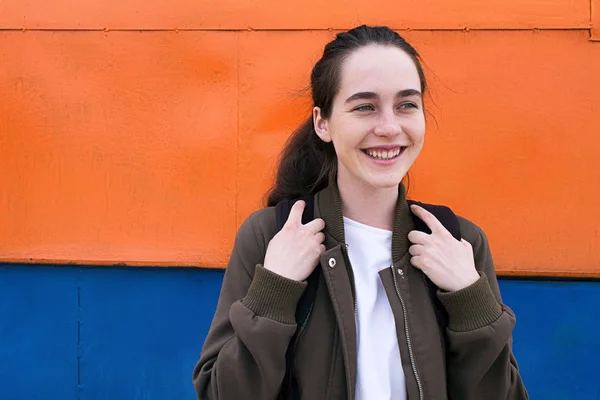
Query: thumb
[[295, 217]]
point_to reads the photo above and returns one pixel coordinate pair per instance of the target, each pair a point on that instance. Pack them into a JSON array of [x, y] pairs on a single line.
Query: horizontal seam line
[[457, 29]]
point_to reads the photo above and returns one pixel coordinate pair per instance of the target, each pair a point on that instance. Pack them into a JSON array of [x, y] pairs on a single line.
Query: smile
[[384, 154]]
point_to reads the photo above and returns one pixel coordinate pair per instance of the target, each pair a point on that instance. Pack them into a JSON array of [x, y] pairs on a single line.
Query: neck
[[375, 207], [331, 210]]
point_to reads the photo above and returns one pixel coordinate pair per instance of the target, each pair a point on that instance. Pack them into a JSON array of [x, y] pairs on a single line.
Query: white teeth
[[383, 155]]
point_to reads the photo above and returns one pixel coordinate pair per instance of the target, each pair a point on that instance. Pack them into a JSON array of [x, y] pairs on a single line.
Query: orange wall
[[143, 133], [595, 16]]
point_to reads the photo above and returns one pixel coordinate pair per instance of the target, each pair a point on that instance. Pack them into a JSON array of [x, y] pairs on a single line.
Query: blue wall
[[136, 333]]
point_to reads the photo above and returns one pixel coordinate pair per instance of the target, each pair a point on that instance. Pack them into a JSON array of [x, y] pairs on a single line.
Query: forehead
[[378, 69]]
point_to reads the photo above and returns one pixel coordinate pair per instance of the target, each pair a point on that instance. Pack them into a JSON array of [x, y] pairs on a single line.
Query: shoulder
[[258, 228], [473, 234], [482, 252]]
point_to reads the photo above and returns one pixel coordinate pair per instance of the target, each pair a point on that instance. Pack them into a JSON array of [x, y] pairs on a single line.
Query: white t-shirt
[[379, 375]]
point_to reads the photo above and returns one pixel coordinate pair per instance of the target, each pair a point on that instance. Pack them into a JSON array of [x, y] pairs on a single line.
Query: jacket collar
[[330, 209]]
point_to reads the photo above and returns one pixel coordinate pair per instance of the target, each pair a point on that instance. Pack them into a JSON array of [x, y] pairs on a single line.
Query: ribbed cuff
[[272, 296], [472, 307]]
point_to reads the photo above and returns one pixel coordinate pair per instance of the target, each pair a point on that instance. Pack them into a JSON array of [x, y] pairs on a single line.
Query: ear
[[321, 125]]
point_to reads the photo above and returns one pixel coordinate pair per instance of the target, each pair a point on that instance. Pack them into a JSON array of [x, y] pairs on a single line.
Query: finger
[[295, 216], [417, 262], [418, 237], [430, 220], [415, 250], [320, 237], [322, 248], [316, 225]]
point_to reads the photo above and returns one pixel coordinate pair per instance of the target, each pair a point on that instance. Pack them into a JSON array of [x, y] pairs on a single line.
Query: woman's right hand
[[294, 251]]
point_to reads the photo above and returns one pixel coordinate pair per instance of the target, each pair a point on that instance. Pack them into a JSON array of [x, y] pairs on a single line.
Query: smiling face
[[377, 123]]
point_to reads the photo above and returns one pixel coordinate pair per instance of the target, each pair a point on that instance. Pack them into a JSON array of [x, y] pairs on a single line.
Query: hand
[[446, 261], [294, 251]]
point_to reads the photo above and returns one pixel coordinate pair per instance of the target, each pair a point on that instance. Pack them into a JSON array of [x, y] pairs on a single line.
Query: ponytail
[[305, 166]]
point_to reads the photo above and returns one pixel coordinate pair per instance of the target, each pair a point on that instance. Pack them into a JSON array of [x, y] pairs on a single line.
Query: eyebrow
[[373, 95]]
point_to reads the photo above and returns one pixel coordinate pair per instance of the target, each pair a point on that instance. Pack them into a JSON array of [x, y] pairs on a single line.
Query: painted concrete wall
[[86, 333], [144, 132]]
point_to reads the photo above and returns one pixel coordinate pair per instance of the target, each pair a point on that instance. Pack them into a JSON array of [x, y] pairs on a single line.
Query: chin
[[386, 183]]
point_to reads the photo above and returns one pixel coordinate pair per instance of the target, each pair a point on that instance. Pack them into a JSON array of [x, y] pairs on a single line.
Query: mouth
[[384, 153]]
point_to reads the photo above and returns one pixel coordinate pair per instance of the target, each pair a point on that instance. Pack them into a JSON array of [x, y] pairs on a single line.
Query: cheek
[[416, 130], [344, 150], [418, 137], [347, 139]]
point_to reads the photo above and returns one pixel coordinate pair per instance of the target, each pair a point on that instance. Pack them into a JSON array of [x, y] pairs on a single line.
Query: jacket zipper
[[353, 285], [407, 331]]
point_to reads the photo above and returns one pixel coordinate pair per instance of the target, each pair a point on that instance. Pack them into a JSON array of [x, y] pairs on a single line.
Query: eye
[[365, 107], [408, 105]]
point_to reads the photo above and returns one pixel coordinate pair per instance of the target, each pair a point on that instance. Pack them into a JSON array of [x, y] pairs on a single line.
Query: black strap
[[305, 304], [444, 214], [283, 209], [447, 217]]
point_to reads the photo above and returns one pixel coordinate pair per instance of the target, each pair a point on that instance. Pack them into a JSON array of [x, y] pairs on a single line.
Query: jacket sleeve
[[480, 361], [243, 356]]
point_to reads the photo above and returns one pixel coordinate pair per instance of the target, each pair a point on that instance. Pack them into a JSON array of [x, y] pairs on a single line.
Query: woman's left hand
[[446, 261]]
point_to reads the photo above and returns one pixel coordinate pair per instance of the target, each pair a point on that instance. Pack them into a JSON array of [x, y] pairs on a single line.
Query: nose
[[387, 125]]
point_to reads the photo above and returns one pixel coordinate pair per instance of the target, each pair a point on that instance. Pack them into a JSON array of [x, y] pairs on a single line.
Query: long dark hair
[[307, 163]]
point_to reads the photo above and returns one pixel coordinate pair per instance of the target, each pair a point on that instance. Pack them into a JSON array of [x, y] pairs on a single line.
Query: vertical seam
[[237, 139], [79, 347]]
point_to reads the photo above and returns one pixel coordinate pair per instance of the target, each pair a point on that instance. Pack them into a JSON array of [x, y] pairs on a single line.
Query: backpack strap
[[305, 304], [284, 207], [447, 217], [444, 214]]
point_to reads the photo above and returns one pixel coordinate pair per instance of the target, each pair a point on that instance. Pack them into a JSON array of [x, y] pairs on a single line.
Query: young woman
[[372, 331]]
